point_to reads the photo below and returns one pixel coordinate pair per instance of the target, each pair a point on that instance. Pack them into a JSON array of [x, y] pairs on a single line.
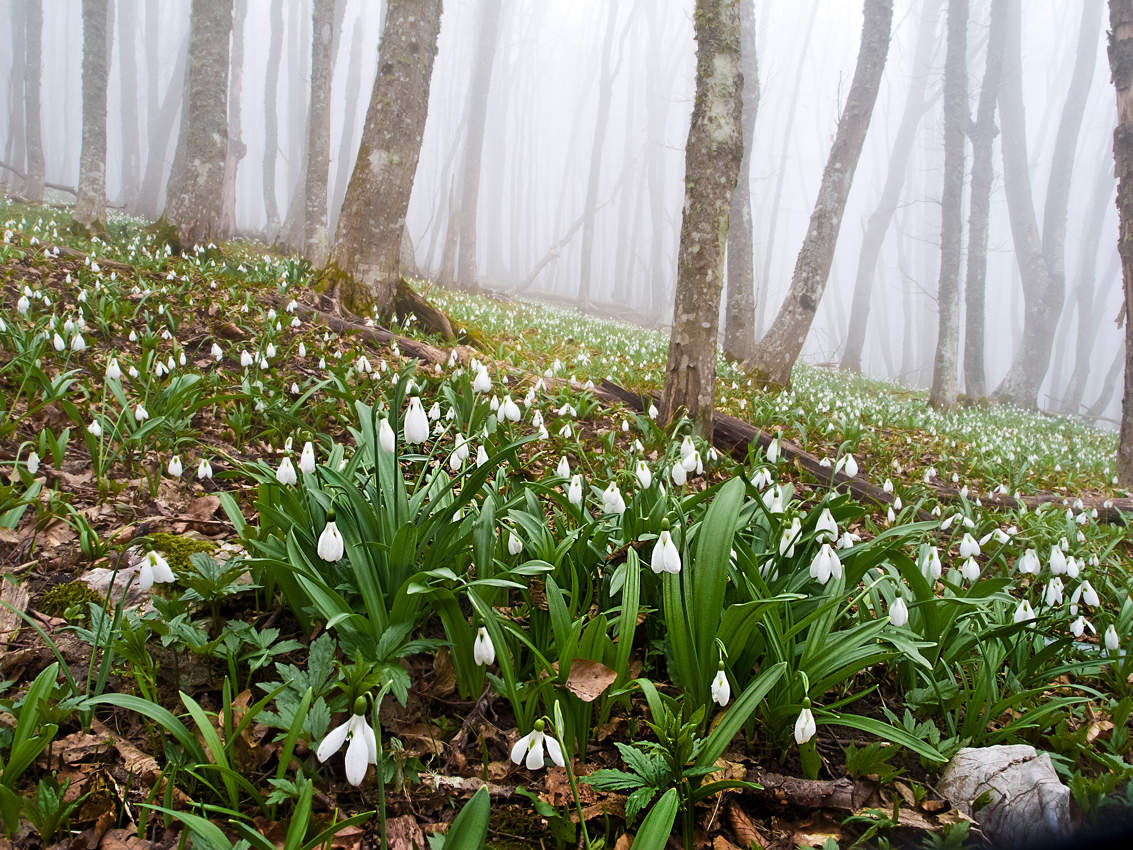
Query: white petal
[[554, 750], [519, 749], [357, 758], [332, 742]]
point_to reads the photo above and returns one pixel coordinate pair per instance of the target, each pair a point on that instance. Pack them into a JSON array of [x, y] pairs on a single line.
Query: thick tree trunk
[[1121, 66], [712, 163], [945, 382], [739, 309], [777, 352], [91, 204], [195, 189], [315, 239], [983, 133], [346, 150], [33, 76], [271, 117], [364, 261], [916, 104], [290, 236], [1043, 284], [236, 148]]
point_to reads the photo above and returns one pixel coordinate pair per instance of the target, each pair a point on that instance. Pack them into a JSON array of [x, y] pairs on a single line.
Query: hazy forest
[[595, 424]]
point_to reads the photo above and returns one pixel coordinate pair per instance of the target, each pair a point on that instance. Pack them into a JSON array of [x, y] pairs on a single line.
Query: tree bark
[[712, 163], [126, 22], [195, 189], [1121, 66], [91, 204], [777, 352], [14, 147], [945, 382], [271, 117], [1043, 284], [315, 239], [739, 310], [161, 123], [346, 152], [33, 123], [290, 236], [364, 261], [236, 149]]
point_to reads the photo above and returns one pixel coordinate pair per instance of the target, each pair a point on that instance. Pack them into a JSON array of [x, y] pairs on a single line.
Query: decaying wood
[[466, 785]]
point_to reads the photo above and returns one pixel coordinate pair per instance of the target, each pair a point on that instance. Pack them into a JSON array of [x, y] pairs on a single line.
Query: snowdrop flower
[[22, 305], [154, 568], [386, 437], [721, 689], [204, 469], [773, 500], [653, 411], [174, 467], [1086, 594], [362, 750], [481, 456], [416, 422], [331, 545], [307, 458], [643, 475], [665, 557], [762, 478], [848, 466], [482, 383], [574, 491], [435, 412], [509, 410], [529, 749], [847, 540], [969, 548], [302, 349], [459, 452], [563, 469], [286, 473], [1072, 568], [140, 413], [887, 486], [898, 612], [789, 538], [94, 429], [826, 529], [1029, 562], [678, 474], [58, 342], [1112, 642], [612, 501], [772, 451], [113, 370], [825, 565], [483, 651], [514, 544], [565, 432], [1053, 594], [692, 463], [805, 727], [1024, 613], [971, 570], [246, 359], [930, 564], [1057, 561], [269, 351], [33, 462]]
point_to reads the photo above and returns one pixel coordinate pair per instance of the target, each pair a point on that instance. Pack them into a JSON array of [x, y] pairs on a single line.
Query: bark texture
[[13, 179], [195, 189], [945, 381], [712, 163], [777, 352], [323, 35], [365, 259], [236, 148], [271, 117], [33, 78], [1121, 66], [126, 18], [877, 226], [91, 204], [739, 309]]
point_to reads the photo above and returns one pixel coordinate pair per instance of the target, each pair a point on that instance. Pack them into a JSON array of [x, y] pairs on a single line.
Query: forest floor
[[133, 717]]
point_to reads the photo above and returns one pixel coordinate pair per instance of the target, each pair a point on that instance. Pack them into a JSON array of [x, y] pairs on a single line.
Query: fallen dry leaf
[[742, 826], [203, 508], [404, 833], [79, 745], [15, 595], [588, 679]]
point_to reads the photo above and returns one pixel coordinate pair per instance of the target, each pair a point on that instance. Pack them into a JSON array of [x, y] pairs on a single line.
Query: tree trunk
[[33, 76], [777, 352], [126, 21], [161, 123], [1041, 265], [195, 189], [916, 104], [91, 204], [290, 236], [739, 310], [712, 163], [364, 261], [315, 237], [271, 117], [236, 148], [1121, 66], [14, 148], [945, 383], [346, 150]]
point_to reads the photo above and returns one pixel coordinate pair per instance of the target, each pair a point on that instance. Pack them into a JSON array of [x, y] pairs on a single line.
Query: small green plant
[[48, 812]]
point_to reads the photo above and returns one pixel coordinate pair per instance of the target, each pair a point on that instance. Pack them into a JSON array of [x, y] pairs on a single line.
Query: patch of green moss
[[178, 548], [69, 601]]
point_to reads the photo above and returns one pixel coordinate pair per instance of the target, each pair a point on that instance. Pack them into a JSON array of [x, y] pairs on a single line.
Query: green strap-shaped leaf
[[658, 824]]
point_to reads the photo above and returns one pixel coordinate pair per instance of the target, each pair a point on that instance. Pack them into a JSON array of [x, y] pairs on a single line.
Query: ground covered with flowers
[[276, 578]]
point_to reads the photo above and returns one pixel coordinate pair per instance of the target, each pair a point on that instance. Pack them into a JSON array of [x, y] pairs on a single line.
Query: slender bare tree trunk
[[318, 133], [161, 128], [1043, 283], [236, 148], [777, 352], [877, 226], [14, 148], [1121, 67], [945, 382], [364, 261], [346, 152], [271, 117], [1109, 385], [33, 76], [195, 188], [712, 164], [91, 204], [290, 236], [127, 16], [739, 309]]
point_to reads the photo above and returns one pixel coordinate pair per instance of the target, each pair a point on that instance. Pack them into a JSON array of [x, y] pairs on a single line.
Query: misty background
[[614, 79]]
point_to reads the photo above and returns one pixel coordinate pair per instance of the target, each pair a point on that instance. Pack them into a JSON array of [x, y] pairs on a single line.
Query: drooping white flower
[[154, 568], [307, 458], [969, 548], [386, 437], [653, 411], [971, 570], [721, 689], [140, 413], [360, 753], [825, 565], [58, 342], [574, 491], [666, 558], [1053, 594], [563, 469], [679, 475], [898, 612], [772, 451], [33, 462], [514, 544], [113, 370], [509, 410], [416, 422], [930, 564], [483, 651], [1029, 562], [1057, 561], [22, 305], [826, 529], [286, 473], [805, 727], [789, 538], [643, 475], [482, 383], [1024, 612], [331, 546], [1086, 593], [174, 467], [94, 429], [529, 749], [1112, 642], [1079, 626], [204, 469], [612, 501]]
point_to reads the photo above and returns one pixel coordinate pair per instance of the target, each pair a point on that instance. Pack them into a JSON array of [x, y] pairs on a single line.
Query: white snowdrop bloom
[[331, 546], [805, 727], [386, 438], [930, 564], [574, 491], [825, 463], [514, 544], [361, 752], [887, 486], [969, 548], [721, 689], [1072, 568], [302, 349], [94, 429], [1057, 561], [529, 398], [642, 473], [481, 456], [678, 474], [294, 388], [898, 612], [269, 351], [246, 359], [482, 383], [612, 501], [997, 534], [450, 414], [773, 499], [32, 462], [762, 478], [1024, 613], [154, 568], [1086, 594], [1064, 544], [772, 450], [565, 432], [362, 364], [825, 565], [288, 443], [22, 305], [174, 467], [140, 413], [666, 558], [264, 363], [204, 469], [181, 358], [1078, 627], [285, 474], [850, 466], [1029, 562], [847, 540], [563, 469], [1112, 642], [653, 411], [494, 404], [543, 433], [509, 410], [78, 343], [483, 651], [58, 342], [1053, 594], [435, 412], [625, 426], [529, 749], [826, 529], [416, 426], [307, 458], [322, 363]]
